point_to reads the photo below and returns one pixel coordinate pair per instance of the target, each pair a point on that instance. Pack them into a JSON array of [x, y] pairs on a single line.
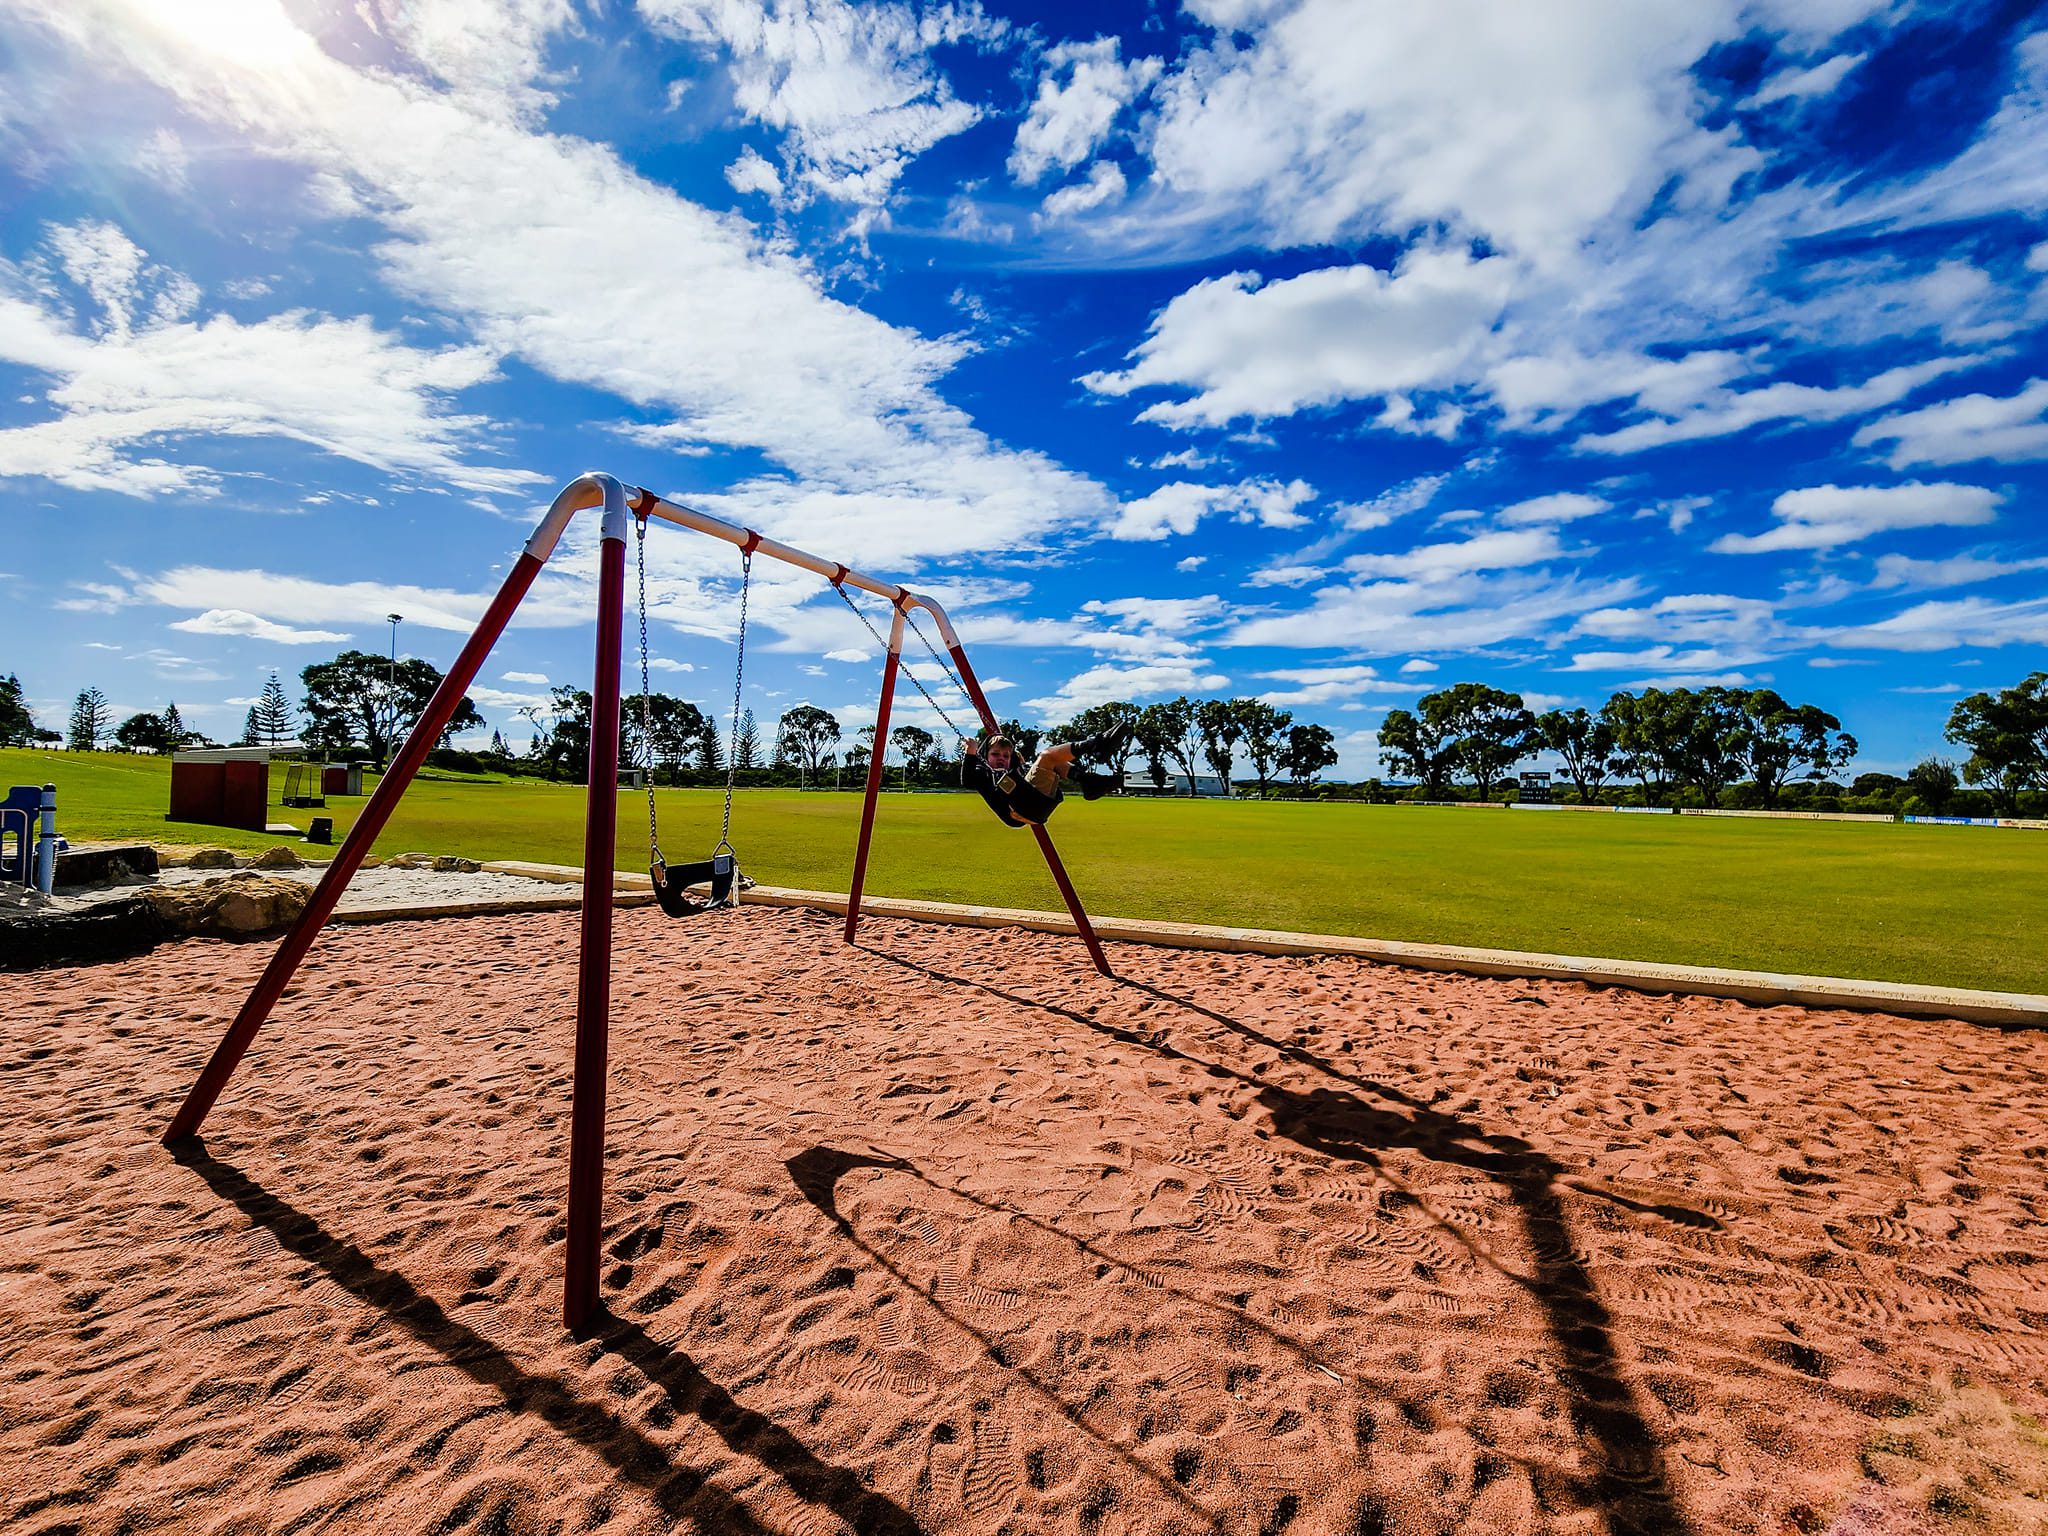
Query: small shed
[[222, 787]]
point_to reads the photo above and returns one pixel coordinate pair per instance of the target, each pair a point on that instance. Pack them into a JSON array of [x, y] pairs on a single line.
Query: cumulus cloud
[[1082, 87], [1105, 184], [1325, 685], [853, 87], [1805, 82], [142, 377], [1967, 428], [1826, 516], [1495, 550], [489, 51], [233, 621], [1527, 127], [1109, 682], [1952, 571], [491, 225], [1245, 347], [1558, 507], [751, 173], [1181, 506]]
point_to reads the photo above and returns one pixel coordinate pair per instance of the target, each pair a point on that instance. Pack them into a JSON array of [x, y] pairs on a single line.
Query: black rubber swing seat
[[672, 884]]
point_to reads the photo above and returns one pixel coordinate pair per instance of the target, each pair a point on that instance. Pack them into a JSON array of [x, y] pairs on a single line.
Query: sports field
[[1958, 906]]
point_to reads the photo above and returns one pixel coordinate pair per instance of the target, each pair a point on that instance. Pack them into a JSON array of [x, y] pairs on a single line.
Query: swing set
[[672, 883]]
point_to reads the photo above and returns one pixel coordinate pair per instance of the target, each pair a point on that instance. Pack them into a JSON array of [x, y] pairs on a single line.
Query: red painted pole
[[594, 961], [867, 810], [277, 975], [1052, 856]]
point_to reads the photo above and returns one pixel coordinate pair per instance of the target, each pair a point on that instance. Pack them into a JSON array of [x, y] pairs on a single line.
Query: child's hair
[[1002, 743]]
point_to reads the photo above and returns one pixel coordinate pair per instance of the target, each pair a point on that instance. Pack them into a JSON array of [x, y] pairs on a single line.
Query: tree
[[360, 697], [88, 720], [1779, 738], [17, 725], [1098, 719], [498, 747], [1643, 745], [1265, 735], [1220, 729], [1309, 750], [913, 741], [1485, 730], [1584, 741], [1934, 784], [1417, 747], [143, 733], [808, 735], [680, 728], [710, 749], [568, 740], [1157, 731], [251, 735], [1027, 737], [2007, 734], [174, 727], [746, 749], [275, 720]]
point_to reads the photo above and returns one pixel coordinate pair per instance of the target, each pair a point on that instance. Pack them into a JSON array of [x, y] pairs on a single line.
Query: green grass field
[[1960, 906]]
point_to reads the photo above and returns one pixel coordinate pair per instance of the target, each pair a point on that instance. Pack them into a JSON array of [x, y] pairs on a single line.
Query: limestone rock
[[279, 857], [212, 858], [240, 904], [440, 863]]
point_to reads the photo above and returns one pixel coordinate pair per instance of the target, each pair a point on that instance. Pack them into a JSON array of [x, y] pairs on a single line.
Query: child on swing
[[1022, 798]]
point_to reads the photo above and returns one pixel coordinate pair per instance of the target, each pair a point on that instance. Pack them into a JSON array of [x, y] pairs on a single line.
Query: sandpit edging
[[1763, 988]]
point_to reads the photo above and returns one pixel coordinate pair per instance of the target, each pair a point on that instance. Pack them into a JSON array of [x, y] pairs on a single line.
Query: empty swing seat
[[672, 884]]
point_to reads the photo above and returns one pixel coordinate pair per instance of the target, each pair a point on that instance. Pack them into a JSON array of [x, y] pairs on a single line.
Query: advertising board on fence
[[1791, 815]]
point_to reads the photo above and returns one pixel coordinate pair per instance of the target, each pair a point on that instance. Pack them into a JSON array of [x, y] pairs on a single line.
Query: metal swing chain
[[646, 698], [739, 673], [937, 707]]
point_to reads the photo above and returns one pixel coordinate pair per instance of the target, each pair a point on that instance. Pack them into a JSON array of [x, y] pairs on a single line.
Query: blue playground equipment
[[28, 836]]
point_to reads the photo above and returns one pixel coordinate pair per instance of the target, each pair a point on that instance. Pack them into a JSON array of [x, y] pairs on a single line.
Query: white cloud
[[1190, 563], [491, 225], [488, 51], [1395, 502], [850, 656], [164, 159], [1418, 664], [2037, 258], [279, 598], [2005, 169], [1966, 428], [1805, 83], [1955, 571], [1109, 683], [1457, 613], [147, 380], [1528, 127], [1719, 412], [751, 173], [664, 664], [1559, 507], [1695, 662], [1949, 624], [233, 621], [538, 679], [852, 87], [1082, 88], [1181, 506], [1105, 184], [1324, 685], [1496, 550], [1249, 348], [1286, 576], [1826, 516]]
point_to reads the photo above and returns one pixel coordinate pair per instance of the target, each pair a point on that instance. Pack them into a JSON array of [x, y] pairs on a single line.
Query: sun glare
[[256, 34]]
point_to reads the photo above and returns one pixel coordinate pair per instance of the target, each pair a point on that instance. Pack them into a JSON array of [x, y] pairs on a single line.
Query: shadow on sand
[[1629, 1482], [681, 1492]]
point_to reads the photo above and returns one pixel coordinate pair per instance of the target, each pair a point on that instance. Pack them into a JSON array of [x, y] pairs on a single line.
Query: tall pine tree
[[88, 720], [746, 752], [175, 734], [275, 722]]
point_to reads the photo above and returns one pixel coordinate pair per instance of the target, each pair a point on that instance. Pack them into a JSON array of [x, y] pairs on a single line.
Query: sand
[[950, 1234]]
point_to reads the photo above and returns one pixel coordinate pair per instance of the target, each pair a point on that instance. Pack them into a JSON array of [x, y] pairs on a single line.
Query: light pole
[[394, 620]]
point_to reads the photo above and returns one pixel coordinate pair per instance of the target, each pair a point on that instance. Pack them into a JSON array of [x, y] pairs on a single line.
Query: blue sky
[[1324, 350]]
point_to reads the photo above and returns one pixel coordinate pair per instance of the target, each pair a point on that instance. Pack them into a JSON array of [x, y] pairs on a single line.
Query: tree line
[[1711, 741], [1717, 743]]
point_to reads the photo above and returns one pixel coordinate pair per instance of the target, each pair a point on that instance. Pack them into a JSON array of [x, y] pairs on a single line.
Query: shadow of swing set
[[619, 503]]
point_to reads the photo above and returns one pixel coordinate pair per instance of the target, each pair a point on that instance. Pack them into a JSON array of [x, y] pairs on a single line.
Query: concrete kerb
[[1764, 988]]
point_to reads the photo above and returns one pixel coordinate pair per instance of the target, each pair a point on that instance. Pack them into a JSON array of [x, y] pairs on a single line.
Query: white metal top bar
[[596, 489]]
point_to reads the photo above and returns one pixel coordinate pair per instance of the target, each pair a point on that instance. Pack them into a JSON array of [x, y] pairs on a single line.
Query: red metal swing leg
[[277, 975], [874, 790], [594, 963]]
